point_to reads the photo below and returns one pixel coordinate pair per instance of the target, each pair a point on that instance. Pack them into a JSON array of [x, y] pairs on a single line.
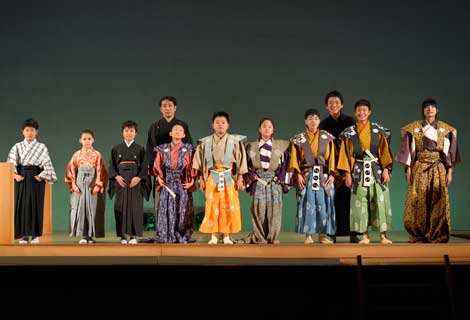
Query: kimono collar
[[30, 143], [87, 151], [433, 124], [218, 139], [340, 117], [269, 142], [311, 136], [128, 144], [174, 146], [169, 122], [360, 127]]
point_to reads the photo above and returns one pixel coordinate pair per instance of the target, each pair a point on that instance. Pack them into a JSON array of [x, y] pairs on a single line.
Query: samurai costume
[[267, 180], [430, 149], [313, 156], [364, 153], [220, 161], [175, 220]]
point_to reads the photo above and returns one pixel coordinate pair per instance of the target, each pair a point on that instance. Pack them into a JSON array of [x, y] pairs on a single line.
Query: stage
[[59, 249], [339, 279]]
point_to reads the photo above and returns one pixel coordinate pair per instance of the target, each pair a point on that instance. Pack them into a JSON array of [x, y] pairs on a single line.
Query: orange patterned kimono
[[91, 158], [220, 161], [87, 169]]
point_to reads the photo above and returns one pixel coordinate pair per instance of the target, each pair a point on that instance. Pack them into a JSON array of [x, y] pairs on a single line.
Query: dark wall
[[94, 64]]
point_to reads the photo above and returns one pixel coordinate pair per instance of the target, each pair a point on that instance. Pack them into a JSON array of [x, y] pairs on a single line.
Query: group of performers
[[340, 167]]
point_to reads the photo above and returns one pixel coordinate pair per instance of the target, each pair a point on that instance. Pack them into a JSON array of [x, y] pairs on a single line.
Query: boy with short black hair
[[33, 167], [129, 180], [220, 162], [366, 160]]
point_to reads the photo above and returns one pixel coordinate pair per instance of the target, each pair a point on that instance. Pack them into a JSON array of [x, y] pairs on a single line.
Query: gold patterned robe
[[430, 149]]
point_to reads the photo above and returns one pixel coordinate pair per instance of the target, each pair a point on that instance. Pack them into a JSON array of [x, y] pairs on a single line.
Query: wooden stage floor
[[59, 249]]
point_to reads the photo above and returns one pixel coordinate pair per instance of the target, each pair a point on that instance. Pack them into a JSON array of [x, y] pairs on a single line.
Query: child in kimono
[[33, 167], [129, 181], [220, 163], [366, 160], [86, 177], [172, 168], [267, 180], [429, 153], [312, 163]]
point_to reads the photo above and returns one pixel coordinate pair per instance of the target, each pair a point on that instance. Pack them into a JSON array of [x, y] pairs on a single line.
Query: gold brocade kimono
[[430, 149]]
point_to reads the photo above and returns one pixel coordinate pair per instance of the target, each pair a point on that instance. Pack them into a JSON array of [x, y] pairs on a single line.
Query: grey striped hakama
[[83, 205], [266, 209]]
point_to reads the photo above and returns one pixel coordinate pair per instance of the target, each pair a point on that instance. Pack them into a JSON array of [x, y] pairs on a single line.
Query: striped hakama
[[83, 205]]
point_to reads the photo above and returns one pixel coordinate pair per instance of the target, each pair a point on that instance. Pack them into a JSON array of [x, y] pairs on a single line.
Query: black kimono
[[129, 162], [342, 193]]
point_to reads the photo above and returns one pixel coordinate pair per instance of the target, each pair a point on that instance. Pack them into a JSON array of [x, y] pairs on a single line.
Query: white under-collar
[[128, 144]]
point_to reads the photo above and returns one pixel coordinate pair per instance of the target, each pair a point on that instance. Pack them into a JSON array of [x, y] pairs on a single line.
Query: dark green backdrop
[[95, 64]]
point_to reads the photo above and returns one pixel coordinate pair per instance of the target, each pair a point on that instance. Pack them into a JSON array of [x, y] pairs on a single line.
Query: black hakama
[[29, 202]]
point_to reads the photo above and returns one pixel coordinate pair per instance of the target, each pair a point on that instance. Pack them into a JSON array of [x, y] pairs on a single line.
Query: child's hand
[[449, 177], [329, 181], [385, 177], [75, 188], [135, 181], [160, 181], [409, 176], [18, 178], [96, 189], [348, 180], [202, 184], [38, 178], [189, 184], [301, 181], [240, 185], [120, 180]]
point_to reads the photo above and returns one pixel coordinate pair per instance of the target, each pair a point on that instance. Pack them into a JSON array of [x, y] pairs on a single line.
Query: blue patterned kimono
[[175, 215]]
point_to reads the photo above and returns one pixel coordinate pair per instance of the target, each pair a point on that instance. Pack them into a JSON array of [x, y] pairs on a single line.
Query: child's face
[[129, 134], [86, 140], [362, 113], [266, 129], [177, 132], [430, 111], [220, 126], [312, 122], [30, 133]]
